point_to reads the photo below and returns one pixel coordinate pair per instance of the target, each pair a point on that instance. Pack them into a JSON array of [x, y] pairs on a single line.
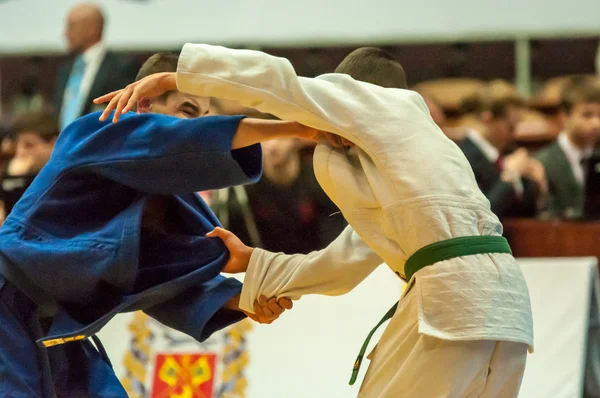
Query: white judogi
[[464, 325]]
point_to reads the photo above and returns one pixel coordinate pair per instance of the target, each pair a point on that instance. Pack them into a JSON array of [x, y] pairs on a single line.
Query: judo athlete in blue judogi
[[113, 224]]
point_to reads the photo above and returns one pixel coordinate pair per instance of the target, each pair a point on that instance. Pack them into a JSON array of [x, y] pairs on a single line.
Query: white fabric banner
[[561, 290], [310, 350]]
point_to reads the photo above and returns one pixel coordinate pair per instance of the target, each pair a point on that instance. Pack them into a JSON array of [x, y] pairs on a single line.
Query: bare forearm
[[253, 131], [333, 271], [233, 303]]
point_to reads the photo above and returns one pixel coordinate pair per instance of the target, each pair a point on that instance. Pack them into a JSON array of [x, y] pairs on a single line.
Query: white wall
[[37, 25]]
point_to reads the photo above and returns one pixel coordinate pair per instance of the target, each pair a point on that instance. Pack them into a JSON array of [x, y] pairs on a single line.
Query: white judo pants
[[406, 364]]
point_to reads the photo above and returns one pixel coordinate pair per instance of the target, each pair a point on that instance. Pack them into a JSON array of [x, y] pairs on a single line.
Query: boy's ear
[[144, 105], [209, 107]]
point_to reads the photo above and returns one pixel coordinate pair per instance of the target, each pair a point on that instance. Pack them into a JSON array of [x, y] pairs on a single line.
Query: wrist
[[233, 304], [169, 81], [247, 258]]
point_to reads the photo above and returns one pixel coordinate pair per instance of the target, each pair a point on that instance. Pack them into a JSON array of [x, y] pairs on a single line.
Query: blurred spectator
[[94, 71], [7, 145], [514, 183], [565, 159], [29, 98], [34, 135], [435, 109], [438, 115], [598, 59], [286, 211]]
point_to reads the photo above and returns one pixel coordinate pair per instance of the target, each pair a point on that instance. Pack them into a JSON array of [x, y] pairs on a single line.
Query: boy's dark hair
[[42, 123], [375, 66], [159, 63], [494, 97], [580, 89]]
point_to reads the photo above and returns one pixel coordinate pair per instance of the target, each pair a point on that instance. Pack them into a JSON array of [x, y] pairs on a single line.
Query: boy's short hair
[[159, 63], [43, 123], [580, 89], [494, 97], [375, 66]]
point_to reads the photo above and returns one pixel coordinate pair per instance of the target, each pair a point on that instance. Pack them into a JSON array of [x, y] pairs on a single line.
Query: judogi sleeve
[[332, 102], [332, 271], [198, 311], [161, 154]]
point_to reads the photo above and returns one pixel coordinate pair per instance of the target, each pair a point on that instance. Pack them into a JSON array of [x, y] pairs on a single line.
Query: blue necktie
[[73, 100]]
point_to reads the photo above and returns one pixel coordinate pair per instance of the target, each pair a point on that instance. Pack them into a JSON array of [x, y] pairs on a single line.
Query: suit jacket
[[503, 199], [114, 73], [74, 242], [566, 194]]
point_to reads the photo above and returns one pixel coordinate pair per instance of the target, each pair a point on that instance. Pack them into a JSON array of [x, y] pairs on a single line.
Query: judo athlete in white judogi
[[463, 325]]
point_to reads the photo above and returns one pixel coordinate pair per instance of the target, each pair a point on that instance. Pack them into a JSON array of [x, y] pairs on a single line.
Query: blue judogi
[[74, 252]]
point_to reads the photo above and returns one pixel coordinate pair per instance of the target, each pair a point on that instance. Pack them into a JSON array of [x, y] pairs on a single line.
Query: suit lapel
[[488, 172], [565, 184]]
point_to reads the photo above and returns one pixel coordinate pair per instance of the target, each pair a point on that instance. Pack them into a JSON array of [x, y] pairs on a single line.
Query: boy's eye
[[190, 110]]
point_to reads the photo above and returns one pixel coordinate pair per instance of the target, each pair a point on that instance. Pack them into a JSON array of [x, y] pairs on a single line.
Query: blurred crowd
[[285, 211], [528, 154]]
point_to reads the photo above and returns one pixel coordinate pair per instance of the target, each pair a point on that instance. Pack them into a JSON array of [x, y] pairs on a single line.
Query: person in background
[[7, 144], [514, 182], [286, 210], [455, 133], [30, 98], [35, 134], [565, 159], [435, 109], [598, 60], [93, 69]]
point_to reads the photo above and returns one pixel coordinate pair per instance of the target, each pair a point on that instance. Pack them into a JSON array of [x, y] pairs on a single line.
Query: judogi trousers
[[407, 364], [74, 369]]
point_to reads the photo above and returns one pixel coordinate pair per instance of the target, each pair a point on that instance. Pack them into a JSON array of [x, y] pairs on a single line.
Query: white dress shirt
[[492, 154], [489, 151], [574, 155]]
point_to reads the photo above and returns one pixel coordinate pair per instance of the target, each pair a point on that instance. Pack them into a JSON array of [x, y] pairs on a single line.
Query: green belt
[[431, 254]]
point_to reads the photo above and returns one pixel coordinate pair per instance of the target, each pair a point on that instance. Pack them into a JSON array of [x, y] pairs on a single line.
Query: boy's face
[[33, 150], [501, 130], [185, 106], [582, 123]]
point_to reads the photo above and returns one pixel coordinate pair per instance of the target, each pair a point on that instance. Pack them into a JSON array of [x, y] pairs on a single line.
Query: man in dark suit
[[514, 183], [565, 159], [93, 71]]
